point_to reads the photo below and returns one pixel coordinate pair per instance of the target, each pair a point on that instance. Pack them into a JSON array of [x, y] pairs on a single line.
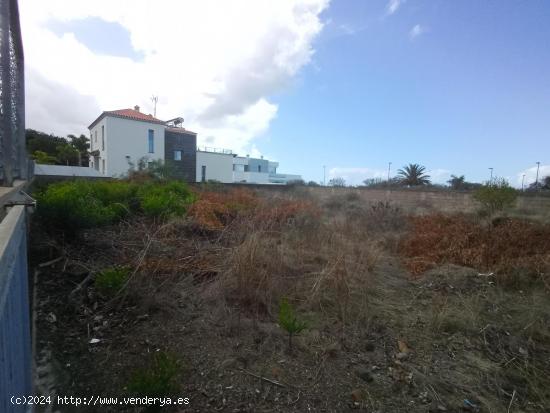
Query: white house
[[119, 137]]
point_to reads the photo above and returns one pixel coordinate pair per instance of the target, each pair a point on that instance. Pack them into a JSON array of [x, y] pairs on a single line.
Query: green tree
[[413, 175], [82, 145], [40, 141], [67, 154], [457, 182], [43, 158], [495, 196]]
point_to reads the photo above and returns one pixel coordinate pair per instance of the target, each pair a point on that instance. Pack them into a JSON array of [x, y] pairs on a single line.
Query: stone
[[333, 349], [364, 374], [357, 395]]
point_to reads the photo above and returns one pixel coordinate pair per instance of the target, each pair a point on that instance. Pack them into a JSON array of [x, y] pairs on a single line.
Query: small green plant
[[289, 321], [158, 379], [110, 281], [495, 196]]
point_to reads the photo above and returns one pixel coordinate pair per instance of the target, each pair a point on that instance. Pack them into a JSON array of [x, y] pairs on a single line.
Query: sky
[[342, 86]]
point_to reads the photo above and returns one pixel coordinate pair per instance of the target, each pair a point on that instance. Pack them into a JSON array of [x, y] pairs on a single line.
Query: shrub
[[169, 199], [159, 379], [495, 196], [214, 210], [110, 281], [289, 321], [516, 250], [352, 197], [75, 205], [72, 206]]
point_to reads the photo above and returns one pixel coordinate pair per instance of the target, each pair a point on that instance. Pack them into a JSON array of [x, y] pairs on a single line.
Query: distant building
[[121, 138]]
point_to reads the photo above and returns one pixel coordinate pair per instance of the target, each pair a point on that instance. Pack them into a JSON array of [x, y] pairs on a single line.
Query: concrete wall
[[125, 137], [410, 200], [186, 168], [219, 166]]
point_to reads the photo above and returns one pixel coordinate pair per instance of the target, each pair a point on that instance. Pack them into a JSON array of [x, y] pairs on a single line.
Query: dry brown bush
[[514, 249]]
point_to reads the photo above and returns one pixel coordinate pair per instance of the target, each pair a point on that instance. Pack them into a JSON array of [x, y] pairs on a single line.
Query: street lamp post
[[491, 180], [522, 180], [389, 169], [537, 179]]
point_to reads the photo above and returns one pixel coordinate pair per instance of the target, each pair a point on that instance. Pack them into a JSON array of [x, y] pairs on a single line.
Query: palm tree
[[457, 182], [413, 175]]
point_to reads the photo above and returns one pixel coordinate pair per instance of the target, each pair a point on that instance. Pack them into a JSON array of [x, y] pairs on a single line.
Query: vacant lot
[[396, 312]]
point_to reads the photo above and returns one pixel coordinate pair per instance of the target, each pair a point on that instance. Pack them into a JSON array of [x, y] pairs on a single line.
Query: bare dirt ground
[[378, 339]]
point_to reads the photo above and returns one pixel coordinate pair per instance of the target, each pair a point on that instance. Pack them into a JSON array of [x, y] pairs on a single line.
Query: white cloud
[[214, 63], [439, 176], [416, 31], [531, 175], [393, 6]]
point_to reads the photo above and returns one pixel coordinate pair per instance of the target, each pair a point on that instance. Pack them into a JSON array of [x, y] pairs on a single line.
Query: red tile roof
[[134, 114], [128, 114]]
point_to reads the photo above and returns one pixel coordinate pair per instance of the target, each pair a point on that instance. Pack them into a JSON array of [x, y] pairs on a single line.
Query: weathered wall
[[410, 200]]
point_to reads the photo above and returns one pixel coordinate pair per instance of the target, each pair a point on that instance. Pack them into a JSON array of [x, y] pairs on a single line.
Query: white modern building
[[214, 165], [121, 138]]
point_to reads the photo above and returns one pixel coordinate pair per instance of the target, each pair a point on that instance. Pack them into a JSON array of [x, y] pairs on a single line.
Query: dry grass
[[516, 250], [237, 254]]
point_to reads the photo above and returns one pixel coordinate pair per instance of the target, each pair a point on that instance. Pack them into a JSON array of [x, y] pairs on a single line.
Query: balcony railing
[[214, 150]]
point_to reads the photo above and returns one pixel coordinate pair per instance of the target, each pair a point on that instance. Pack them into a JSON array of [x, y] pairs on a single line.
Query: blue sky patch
[[99, 36]]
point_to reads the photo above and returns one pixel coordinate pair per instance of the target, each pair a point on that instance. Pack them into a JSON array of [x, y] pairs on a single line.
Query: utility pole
[[389, 169], [522, 180], [154, 99], [324, 175], [537, 180], [491, 180]]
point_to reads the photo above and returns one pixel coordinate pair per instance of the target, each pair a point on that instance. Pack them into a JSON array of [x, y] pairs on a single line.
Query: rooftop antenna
[[154, 99]]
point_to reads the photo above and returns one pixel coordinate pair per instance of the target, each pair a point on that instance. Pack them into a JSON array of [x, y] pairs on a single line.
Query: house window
[[102, 137], [177, 155], [151, 140], [259, 168], [246, 168], [203, 173], [103, 166]]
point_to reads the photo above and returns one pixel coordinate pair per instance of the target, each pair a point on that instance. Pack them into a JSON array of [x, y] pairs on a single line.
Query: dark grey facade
[[180, 153]]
